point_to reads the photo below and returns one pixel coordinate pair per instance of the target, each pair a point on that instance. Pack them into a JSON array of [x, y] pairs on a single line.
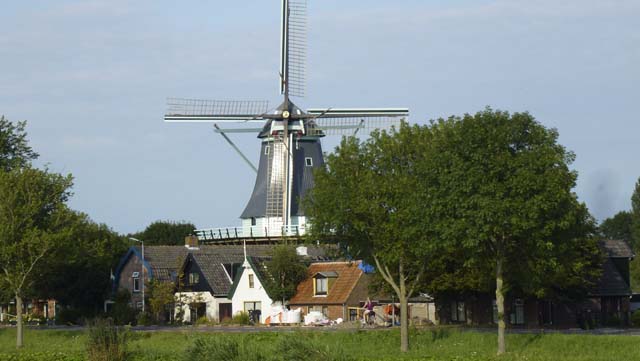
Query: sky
[[92, 77]]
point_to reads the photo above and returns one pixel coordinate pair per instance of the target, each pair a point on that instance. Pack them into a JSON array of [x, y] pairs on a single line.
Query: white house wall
[[256, 294], [213, 303]]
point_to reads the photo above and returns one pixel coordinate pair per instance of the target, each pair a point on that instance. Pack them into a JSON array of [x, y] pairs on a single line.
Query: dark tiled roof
[[164, 260], [612, 283], [348, 276], [617, 248]]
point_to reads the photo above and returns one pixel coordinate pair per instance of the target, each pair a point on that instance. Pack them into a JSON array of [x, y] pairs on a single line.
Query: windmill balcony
[[254, 232]]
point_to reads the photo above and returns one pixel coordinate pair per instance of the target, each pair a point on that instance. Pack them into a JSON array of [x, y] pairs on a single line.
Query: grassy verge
[[428, 345]]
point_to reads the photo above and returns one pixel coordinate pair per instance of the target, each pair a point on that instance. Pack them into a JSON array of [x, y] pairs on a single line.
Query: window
[[266, 150], [321, 286], [308, 161], [517, 315], [194, 278], [458, 311], [139, 305], [251, 282], [253, 221], [252, 306], [136, 284]]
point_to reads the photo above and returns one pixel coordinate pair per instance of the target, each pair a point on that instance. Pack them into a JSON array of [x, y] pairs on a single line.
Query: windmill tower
[[290, 137]]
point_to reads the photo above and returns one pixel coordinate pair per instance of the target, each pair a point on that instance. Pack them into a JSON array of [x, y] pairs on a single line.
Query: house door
[[225, 311]]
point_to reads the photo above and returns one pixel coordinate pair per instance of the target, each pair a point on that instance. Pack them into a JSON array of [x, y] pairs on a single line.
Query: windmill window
[[266, 150], [308, 161], [253, 221]]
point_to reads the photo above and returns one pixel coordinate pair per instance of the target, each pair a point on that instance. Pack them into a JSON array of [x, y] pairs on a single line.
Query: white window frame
[[321, 286], [308, 161], [252, 281]]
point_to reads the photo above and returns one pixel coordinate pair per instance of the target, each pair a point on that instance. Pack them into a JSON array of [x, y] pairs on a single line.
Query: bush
[[202, 321], [635, 319], [106, 342], [144, 319], [42, 356], [240, 318], [222, 348], [303, 349], [68, 316], [213, 349]]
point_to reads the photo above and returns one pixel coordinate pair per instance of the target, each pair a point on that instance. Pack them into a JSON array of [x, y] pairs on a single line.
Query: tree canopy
[[34, 220], [285, 271], [15, 151], [165, 233], [620, 226], [370, 199], [501, 190]]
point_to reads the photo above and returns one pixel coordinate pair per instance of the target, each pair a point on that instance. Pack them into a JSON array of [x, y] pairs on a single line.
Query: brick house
[[337, 289]]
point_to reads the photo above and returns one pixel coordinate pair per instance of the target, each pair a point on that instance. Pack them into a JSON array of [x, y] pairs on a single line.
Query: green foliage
[[166, 233], [204, 349], [379, 213], [121, 312], [635, 214], [284, 272], [635, 318], [304, 349], [501, 189], [161, 297], [618, 227], [144, 319], [15, 151], [106, 342], [78, 270], [240, 318], [437, 344]]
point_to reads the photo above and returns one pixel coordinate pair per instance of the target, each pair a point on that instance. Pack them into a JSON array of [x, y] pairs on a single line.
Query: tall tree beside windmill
[[290, 137], [371, 200]]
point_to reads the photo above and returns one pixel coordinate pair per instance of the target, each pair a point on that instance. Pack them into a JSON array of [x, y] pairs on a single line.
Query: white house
[[247, 293]]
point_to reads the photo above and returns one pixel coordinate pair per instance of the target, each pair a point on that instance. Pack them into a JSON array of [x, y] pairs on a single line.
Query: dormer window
[[322, 281], [322, 286]]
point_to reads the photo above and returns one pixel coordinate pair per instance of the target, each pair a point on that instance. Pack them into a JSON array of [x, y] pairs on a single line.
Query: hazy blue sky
[[91, 77]]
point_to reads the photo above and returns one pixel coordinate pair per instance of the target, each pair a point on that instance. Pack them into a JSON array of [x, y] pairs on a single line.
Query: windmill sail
[[210, 111], [293, 47]]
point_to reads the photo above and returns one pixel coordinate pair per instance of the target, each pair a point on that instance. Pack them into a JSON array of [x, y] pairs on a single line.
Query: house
[[337, 289], [160, 263], [203, 274], [607, 304], [248, 293]]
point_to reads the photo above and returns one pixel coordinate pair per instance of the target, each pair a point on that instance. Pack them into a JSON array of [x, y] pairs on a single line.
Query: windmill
[[290, 137]]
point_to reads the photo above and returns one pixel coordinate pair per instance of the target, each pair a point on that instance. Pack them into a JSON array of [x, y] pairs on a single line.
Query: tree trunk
[[404, 324], [500, 304], [19, 330]]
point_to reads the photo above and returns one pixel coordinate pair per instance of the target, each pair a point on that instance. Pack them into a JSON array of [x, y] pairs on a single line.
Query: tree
[[78, 270], [370, 198], [166, 233], [161, 295], [14, 149], [635, 215], [33, 220], [618, 227], [284, 271], [501, 191]]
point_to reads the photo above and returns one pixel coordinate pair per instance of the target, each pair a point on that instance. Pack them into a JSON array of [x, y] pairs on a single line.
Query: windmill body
[[290, 138]]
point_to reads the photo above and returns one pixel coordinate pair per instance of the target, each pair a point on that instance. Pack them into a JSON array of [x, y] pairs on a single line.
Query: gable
[[348, 274]]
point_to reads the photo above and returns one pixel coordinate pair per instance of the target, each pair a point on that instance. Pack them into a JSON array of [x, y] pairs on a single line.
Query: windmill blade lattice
[[202, 110]]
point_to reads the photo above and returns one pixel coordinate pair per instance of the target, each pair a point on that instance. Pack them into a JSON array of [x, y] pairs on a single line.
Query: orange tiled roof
[[348, 276]]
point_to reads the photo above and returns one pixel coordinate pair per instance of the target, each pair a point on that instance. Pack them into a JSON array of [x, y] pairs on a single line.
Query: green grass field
[[429, 345]]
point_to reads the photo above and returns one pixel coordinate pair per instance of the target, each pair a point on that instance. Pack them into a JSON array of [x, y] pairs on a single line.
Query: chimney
[[302, 251], [191, 241]]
